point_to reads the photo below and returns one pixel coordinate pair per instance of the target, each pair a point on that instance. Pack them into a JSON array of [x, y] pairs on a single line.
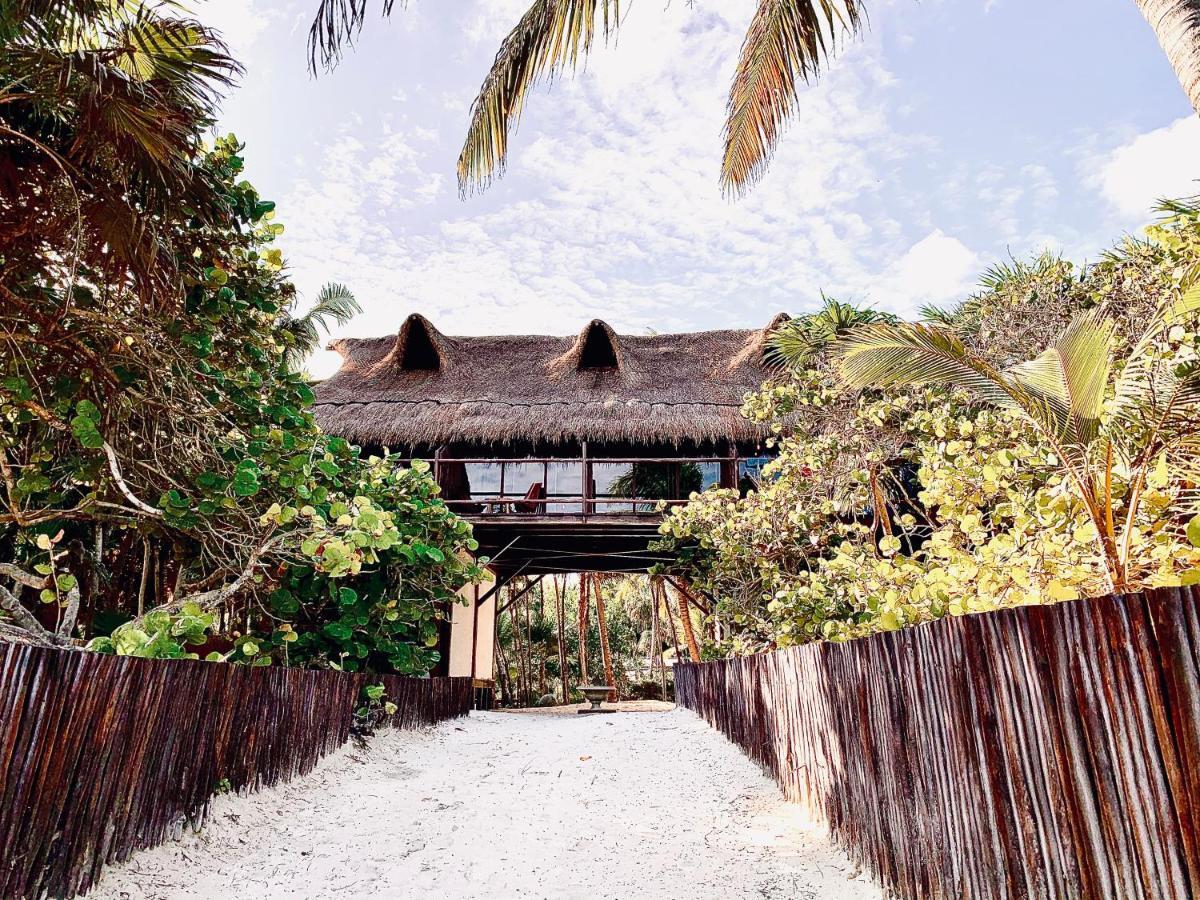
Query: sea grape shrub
[[379, 568], [886, 508], [159, 634]]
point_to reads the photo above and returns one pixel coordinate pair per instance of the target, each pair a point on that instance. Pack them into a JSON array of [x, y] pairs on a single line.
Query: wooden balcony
[[540, 514], [579, 489]]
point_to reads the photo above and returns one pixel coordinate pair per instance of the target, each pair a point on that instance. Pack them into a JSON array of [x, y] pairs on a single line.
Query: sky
[[953, 135]]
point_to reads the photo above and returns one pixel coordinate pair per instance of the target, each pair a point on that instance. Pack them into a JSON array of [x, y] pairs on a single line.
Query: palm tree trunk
[[583, 629], [688, 632], [654, 647], [519, 693], [1176, 24], [609, 677], [502, 672], [656, 595], [528, 651], [671, 622], [560, 610]]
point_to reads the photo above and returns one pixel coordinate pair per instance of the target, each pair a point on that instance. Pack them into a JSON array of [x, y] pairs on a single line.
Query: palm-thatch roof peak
[[423, 388]]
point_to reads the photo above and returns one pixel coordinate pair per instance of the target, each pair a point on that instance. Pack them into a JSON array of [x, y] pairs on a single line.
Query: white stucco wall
[[483, 619]]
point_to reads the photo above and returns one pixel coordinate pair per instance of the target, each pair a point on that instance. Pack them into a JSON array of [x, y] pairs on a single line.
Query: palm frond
[[110, 100], [1181, 206], [1001, 275], [334, 304], [1072, 376], [937, 316], [334, 28], [787, 43], [795, 343], [1185, 307], [911, 353], [552, 35], [914, 353]]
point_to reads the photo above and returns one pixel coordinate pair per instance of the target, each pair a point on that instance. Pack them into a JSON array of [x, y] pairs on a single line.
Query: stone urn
[[595, 694]]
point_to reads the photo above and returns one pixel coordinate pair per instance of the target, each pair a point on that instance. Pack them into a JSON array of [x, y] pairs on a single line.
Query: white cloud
[[938, 269], [1164, 163], [611, 205], [240, 22]]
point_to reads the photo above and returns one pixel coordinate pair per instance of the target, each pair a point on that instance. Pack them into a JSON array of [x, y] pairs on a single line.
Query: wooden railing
[[525, 486]]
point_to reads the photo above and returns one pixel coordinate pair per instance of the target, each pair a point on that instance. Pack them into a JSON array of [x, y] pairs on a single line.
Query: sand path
[[502, 805]]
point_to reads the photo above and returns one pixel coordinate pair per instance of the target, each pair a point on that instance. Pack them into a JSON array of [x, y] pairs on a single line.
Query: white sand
[[502, 805]]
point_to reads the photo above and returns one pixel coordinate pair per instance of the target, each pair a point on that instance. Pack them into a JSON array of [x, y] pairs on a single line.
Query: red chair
[[529, 505]]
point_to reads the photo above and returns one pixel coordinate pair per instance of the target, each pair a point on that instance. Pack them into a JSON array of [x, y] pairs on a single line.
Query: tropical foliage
[[335, 305], [102, 105], [923, 470], [169, 467], [164, 489], [549, 638]]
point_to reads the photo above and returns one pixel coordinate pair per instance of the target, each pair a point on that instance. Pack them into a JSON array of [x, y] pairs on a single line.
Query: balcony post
[[729, 466], [587, 480]]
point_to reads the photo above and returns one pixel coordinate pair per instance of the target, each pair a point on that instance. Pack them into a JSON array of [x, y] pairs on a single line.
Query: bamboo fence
[[101, 756], [1039, 752]]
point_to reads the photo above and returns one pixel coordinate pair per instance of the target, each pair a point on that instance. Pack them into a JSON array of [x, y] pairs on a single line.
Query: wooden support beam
[[686, 589], [513, 598], [501, 581]]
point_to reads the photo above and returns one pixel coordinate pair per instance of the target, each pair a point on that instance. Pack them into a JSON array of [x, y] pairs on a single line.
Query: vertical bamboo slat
[[1040, 752], [101, 756]]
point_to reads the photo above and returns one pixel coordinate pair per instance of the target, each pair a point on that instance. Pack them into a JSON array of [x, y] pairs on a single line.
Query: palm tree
[[685, 617], [787, 44], [795, 343], [1151, 410], [334, 304], [103, 108]]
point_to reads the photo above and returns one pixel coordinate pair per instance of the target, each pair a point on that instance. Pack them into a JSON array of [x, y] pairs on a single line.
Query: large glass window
[[484, 479], [520, 477], [564, 480], [616, 488], [613, 480]]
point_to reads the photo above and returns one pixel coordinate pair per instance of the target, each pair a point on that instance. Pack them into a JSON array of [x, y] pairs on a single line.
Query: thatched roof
[[425, 388]]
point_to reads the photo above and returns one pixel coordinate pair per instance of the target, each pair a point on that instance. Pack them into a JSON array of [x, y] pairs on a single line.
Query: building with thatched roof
[[594, 429], [562, 451]]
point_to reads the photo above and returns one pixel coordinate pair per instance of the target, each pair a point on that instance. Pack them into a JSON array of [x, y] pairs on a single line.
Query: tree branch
[[11, 634], [26, 621], [19, 575], [67, 626], [115, 468], [208, 599]]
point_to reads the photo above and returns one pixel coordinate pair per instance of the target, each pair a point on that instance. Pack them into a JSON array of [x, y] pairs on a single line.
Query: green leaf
[[284, 602], [1193, 531], [84, 430]]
